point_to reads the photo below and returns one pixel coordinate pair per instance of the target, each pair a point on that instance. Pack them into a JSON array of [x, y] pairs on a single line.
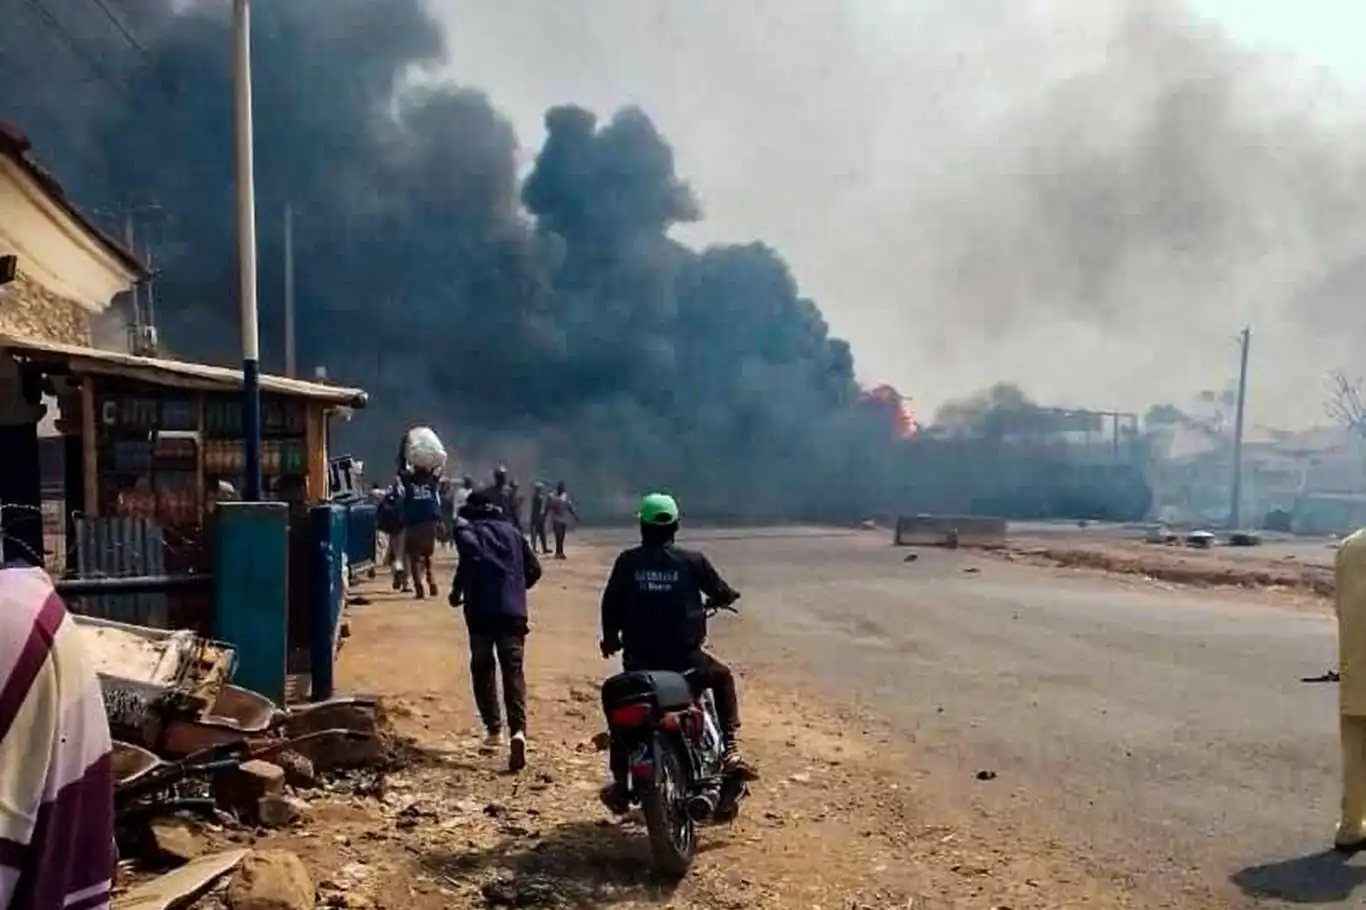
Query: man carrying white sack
[[424, 458], [1350, 603]]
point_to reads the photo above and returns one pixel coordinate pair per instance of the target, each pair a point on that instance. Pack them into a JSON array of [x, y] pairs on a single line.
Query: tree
[[1345, 404]]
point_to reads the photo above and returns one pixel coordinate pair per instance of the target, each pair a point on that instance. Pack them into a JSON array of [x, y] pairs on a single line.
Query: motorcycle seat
[[668, 690]]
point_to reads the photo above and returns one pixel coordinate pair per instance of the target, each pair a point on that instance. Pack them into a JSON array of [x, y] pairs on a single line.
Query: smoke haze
[[1089, 199]]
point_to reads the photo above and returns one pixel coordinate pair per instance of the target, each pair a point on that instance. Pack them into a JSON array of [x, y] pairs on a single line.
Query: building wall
[[28, 309], [67, 275]]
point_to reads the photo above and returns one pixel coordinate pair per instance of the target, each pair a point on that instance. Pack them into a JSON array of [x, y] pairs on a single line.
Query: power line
[[123, 29], [65, 36]]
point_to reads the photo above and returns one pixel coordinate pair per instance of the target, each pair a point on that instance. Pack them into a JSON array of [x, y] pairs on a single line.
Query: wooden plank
[[315, 443], [90, 464], [181, 887]]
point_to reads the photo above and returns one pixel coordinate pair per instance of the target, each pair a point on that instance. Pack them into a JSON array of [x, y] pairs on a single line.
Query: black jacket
[[503, 496], [496, 570], [653, 603]]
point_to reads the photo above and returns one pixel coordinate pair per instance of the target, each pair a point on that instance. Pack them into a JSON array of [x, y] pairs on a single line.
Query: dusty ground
[[844, 817], [1150, 744], [1276, 570], [1160, 731]]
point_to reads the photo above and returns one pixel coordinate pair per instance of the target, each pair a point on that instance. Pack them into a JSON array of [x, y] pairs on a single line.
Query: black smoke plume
[[549, 322]]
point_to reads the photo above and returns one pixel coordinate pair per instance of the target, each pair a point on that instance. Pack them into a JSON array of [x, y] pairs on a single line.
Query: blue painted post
[[327, 530], [251, 588]]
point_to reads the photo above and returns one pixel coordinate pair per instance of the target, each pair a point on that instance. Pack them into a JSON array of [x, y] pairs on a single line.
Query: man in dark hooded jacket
[[496, 569]]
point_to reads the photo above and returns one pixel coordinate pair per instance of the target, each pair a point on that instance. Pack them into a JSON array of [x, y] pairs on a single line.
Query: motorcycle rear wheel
[[673, 834]]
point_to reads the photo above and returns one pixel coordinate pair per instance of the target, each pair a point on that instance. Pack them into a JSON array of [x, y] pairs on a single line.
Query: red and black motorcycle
[[668, 736]]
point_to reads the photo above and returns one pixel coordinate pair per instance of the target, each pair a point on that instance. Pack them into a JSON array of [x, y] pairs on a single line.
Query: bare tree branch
[[1345, 403]]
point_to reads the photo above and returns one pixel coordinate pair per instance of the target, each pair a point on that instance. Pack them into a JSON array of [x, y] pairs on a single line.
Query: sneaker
[[615, 798], [735, 764], [517, 752], [493, 741]]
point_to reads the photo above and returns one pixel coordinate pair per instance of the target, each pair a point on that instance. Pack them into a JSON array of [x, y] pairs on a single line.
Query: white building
[[68, 270]]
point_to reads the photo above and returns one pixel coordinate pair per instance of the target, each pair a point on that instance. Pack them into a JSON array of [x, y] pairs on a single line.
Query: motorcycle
[[671, 742]]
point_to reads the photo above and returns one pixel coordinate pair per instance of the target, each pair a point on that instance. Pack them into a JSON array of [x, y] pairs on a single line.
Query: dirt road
[[844, 817], [1160, 731], [1146, 747]]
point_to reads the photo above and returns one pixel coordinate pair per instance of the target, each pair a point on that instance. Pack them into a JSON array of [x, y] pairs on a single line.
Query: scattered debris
[[328, 725], [911, 557], [179, 888], [242, 788], [1205, 569], [277, 811], [299, 771], [523, 891], [1200, 540], [986, 775], [271, 880], [1331, 676], [174, 840]]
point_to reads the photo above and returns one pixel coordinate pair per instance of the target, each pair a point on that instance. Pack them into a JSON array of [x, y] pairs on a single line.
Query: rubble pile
[[197, 778]]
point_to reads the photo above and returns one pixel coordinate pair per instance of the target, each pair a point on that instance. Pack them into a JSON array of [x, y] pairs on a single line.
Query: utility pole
[[246, 250], [132, 248], [151, 301], [289, 291], [1235, 507]]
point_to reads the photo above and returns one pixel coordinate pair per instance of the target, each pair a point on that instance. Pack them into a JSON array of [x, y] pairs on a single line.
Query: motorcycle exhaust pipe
[[701, 806]]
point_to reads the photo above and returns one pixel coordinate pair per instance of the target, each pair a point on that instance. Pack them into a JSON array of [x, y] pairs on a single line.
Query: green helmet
[[658, 509]]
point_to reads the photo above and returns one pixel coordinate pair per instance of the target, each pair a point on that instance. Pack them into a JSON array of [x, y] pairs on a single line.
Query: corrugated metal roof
[[175, 373]]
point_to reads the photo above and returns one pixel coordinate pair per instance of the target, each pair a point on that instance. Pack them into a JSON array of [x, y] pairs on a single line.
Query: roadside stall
[[152, 449]]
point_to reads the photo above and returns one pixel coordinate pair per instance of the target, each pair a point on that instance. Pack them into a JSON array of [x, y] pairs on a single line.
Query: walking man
[[503, 494], [496, 569], [421, 519], [561, 509], [539, 515]]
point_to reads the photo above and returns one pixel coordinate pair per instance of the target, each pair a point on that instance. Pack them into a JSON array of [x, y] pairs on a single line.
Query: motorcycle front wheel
[[673, 834]]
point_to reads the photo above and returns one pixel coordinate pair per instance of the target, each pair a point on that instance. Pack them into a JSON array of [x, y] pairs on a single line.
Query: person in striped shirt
[[56, 773]]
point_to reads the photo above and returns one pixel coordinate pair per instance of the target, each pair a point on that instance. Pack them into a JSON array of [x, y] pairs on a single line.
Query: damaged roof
[[15, 145]]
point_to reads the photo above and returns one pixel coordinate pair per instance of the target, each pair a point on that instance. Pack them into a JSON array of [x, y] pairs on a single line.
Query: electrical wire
[[67, 39], [123, 29]]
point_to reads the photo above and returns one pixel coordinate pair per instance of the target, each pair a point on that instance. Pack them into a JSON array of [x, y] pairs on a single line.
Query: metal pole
[[246, 252], [1234, 516], [132, 248], [289, 291], [151, 300]]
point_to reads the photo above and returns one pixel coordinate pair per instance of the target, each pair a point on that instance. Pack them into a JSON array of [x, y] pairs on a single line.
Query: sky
[[1089, 199], [1325, 33]]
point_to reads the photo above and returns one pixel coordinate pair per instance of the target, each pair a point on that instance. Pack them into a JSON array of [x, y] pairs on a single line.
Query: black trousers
[[538, 538], [491, 651], [560, 529]]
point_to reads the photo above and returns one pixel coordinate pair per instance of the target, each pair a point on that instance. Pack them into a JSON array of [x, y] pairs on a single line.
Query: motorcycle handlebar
[[712, 607]]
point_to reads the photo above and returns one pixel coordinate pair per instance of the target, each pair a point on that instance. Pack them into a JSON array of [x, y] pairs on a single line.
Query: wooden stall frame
[[314, 436], [89, 449]]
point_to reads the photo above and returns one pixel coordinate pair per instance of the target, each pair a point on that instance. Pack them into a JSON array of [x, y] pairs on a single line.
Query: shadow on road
[[577, 864], [1329, 877]]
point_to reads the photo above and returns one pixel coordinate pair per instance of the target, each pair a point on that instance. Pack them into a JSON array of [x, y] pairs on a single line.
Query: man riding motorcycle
[[653, 611]]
